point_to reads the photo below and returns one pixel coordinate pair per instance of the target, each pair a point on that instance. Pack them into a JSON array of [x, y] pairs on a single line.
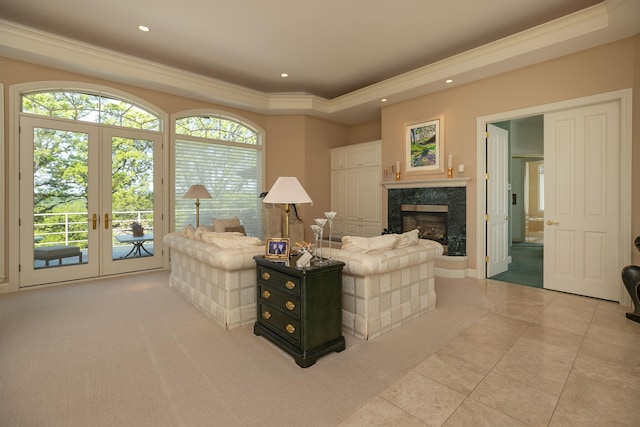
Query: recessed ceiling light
[[284, 75], [449, 81], [384, 100], [143, 28]]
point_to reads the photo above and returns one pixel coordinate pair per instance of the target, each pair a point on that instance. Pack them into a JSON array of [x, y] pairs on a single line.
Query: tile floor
[[538, 358]]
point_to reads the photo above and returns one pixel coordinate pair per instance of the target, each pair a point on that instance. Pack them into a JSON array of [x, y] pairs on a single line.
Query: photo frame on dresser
[[277, 249], [424, 145]]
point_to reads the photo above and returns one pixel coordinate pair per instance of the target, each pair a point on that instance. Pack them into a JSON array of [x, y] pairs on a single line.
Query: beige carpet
[[131, 352]]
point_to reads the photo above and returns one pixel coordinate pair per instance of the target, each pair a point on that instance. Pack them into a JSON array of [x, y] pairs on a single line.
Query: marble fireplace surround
[[451, 192]]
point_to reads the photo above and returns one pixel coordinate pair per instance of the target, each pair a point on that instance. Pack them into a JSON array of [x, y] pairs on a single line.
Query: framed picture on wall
[[424, 145]]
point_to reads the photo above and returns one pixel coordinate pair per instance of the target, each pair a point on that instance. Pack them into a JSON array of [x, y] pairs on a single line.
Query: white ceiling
[[342, 56]]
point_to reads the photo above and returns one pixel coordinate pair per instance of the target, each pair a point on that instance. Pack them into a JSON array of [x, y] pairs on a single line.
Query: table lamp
[[197, 191], [287, 190]]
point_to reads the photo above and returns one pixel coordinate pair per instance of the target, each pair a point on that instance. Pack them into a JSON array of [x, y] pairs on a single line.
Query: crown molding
[[521, 49]]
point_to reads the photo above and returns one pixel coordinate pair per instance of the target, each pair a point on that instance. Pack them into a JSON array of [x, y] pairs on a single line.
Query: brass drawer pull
[[266, 315], [266, 294], [266, 275], [290, 305], [290, 285], [290, 328]]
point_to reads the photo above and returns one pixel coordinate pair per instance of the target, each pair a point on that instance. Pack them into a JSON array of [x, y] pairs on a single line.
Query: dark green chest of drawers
[[300, 309]]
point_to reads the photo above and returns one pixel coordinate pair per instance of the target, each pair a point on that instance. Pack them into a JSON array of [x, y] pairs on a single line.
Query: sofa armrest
[[226, 259], [361, 264]]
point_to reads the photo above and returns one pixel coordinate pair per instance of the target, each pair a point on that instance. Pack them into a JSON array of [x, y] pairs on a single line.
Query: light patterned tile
[[379, 412], [554, 336], [597, 346], [504, 323], [618, 405], [474, 413], [519, 310], [453, 372], [541, 366], [624, 376], [573, 321], [425, 399], [518, 400]]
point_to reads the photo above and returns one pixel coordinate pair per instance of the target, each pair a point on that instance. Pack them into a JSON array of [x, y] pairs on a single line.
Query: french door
[[82, 186], [582, 207]]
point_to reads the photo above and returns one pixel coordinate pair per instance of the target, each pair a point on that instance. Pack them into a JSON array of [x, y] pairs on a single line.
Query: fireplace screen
[[430, 220]]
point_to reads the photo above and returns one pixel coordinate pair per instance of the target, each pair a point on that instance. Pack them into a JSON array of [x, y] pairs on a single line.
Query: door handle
[[94, 220], [106, 221], [552, 222]]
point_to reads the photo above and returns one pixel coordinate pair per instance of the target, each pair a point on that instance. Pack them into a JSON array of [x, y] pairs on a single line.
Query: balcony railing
[[72, 228]]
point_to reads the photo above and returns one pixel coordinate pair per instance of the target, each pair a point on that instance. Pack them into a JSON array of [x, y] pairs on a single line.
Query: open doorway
[[526, 201]]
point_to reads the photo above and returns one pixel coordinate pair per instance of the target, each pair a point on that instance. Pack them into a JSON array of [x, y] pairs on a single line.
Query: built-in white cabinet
[[355, 189]]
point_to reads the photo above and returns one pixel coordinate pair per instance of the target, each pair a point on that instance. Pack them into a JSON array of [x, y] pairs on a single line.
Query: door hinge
[[486, 135], [486, 176], [486, 258], [19, 268], [486, 217]]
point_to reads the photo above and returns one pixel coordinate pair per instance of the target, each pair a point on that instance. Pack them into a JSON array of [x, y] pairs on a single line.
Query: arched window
[[92, 108], [225, 155]]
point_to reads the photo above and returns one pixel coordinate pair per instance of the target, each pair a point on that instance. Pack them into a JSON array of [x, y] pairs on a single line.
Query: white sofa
[[221, 282], [383, 288]]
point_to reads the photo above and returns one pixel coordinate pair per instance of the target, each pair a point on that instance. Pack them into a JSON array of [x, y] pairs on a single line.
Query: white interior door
[[497, 200], [582, 201]]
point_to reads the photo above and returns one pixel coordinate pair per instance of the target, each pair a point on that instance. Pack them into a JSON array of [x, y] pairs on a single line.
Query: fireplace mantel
[[429, 183]]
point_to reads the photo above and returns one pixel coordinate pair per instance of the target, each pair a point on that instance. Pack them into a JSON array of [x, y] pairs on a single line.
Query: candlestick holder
[[397, 176], [449, 172]]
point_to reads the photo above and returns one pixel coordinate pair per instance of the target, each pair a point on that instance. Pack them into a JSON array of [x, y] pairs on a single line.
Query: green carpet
[[525, 267]]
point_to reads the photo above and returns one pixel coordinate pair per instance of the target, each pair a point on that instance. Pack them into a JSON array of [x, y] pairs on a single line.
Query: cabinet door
[[370, 230], [371, 155], [337, 193], [352, 194], [337, 159], [352, 228], [370, 194]]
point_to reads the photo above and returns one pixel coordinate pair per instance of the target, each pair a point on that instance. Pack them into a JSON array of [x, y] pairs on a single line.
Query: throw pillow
[[202, 229], [237, 229], [220, 224], [369, 244], [188, 231], [410, 238]]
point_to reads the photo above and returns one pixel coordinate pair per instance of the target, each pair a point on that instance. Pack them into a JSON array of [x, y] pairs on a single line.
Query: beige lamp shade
[[197, 191], [287, 190]]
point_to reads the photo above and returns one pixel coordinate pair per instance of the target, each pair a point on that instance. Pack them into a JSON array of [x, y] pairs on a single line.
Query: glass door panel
[[55, 207], [130, 200]]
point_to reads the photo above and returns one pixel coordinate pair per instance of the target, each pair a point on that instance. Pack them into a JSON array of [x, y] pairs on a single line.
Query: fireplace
[[430, 220], [447, 227]]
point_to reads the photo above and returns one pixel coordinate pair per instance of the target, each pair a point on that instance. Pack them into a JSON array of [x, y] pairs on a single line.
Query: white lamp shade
[[197, 191], [287, 190]]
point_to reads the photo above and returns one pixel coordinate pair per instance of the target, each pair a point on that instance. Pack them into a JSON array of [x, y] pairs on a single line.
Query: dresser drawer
[[279, 281], [282, 324], [286, 301]]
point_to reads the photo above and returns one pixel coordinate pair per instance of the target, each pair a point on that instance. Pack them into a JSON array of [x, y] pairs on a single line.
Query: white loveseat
[[386, 282], [220, 281]]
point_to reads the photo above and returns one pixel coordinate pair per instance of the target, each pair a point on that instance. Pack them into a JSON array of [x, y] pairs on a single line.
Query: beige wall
[[599, 70], [365, 132], [299, 146]]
